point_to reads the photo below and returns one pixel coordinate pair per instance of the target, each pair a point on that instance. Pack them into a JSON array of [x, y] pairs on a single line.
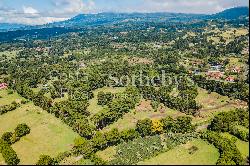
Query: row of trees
[[229, 153], [149, 127], [235, 122], [238, 90], [8, 139], [20, 131]]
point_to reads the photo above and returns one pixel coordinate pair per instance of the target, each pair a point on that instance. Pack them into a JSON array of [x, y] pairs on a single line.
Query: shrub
[[144, 127], [6, 108], [157, 126], [45, 160], [193, 149], [22, 130], [8, 153], [7, 137], [10, 92]]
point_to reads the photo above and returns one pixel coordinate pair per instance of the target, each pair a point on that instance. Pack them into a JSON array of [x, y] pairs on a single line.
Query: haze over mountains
[[10, 32], [110, 18]]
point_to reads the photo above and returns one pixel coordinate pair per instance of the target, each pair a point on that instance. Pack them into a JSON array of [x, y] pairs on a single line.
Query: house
[[236, 70], [3, 86], [230, 79], [215, 74], [215, 67], [196, 72]]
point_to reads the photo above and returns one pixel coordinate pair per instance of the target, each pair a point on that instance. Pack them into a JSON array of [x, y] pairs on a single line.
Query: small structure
[[216, 67], [230, 79], [196, 72], [215, 74], [3, 86], [236, 69]]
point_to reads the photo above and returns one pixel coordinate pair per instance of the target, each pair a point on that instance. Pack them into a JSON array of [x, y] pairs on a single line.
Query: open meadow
[[48, 134]]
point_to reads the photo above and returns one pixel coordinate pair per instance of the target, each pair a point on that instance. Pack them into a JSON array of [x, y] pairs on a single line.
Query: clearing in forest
[[93, 107]]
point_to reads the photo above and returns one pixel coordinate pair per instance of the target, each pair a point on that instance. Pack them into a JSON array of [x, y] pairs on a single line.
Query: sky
[[36, 12]]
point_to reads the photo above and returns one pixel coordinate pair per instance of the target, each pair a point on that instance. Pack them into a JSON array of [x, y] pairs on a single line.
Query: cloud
[[29, 10], [182, 6], [41, 12], [59, 10]]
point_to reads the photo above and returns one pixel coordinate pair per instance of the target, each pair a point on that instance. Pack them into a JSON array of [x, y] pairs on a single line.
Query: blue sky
[[44, 11]]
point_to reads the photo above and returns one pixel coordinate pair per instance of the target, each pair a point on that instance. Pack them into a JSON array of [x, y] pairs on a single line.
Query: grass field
[[206, 154], [1, 160], [93, 106], [214, 103], [76, 161], [107, 154], [8, 98], [228, 35], [130, 119], [48, 134]]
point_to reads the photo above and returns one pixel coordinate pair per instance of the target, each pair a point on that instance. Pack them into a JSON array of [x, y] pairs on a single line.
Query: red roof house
[[3, 86], [230, 79]]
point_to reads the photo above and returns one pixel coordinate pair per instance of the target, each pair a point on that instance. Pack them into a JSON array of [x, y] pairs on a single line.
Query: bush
[[10, 92], [7, 137], [9, 155], [239, 133], [24, 101], [22, 130], [144, 127], [193, 149], [45, 160], [6, 108]]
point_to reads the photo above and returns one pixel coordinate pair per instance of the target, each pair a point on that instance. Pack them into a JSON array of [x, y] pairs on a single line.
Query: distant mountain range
[[232, 13], [84, 20], [9, 26]]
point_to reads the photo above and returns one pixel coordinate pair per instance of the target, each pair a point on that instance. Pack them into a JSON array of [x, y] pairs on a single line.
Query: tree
[[168, 123], [83, 147], [184, 124], [144, 127], [157, 126], [7, 137], [22, 130], [45, 160]]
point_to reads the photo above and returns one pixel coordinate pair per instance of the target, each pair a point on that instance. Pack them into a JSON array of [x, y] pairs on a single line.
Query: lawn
[[76, 161], [93, 106], [107, 154], [9, 98], [48, 134], [206, 154]]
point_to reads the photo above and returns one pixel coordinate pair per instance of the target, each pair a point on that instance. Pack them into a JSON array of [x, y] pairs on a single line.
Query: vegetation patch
[[206, 154]]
